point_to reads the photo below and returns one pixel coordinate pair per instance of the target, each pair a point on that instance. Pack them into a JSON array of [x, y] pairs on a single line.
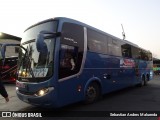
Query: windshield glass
[[34, 64]]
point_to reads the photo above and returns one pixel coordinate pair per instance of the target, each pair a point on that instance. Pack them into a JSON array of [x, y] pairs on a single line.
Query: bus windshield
[[34, 64]]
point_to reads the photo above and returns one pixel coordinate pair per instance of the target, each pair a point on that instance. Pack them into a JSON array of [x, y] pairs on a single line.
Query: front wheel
[[92, 93]]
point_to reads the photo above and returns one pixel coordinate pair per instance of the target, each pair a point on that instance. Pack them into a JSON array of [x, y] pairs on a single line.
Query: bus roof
[[64, 19]]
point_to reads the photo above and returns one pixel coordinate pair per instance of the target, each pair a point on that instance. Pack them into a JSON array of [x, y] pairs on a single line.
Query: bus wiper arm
[[26, 56]]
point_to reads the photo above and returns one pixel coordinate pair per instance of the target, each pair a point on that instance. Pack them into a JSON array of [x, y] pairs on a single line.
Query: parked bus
[[63, 61], [9, 66]]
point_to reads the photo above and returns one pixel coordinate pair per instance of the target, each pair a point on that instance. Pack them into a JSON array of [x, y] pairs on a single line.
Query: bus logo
[[127, 63]]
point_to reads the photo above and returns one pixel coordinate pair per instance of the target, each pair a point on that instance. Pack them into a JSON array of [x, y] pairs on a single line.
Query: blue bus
[[63, 61]]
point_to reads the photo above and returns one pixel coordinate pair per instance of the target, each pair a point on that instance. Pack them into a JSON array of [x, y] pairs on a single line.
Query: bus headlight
[[44, 91], [17, 88]]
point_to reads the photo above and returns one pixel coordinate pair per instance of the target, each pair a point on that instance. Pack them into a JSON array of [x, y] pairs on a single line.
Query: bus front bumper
[[46, 100]]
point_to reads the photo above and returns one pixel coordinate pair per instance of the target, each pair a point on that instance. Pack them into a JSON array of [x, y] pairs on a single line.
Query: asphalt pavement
[[132, 99]]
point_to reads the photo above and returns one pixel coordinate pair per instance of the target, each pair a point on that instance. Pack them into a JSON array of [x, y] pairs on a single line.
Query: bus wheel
[[143, 81], [146, 80], [92, 93]]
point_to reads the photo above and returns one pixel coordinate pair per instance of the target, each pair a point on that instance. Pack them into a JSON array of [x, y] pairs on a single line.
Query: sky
[[140, 18]]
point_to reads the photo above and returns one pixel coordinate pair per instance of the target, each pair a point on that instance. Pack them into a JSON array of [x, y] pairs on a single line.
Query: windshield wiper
[[27, 60]]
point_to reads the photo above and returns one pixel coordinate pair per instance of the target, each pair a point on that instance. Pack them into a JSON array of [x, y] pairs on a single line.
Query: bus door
[[70, 62]]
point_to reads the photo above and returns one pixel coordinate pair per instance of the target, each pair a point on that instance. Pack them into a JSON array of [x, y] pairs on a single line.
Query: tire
[[92, 93], [146, 80], [143, 82]]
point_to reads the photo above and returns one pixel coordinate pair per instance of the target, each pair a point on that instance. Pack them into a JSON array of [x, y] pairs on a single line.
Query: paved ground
[[132, 99]]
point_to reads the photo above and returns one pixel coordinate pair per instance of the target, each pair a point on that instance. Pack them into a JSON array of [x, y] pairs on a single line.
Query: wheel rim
[[91, 93], [143, 81]]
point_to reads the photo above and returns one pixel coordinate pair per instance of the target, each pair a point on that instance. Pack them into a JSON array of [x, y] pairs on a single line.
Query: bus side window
[[68, 61], [114, 47], [126, 50], [135, 52], [97, 42], [144, 55]]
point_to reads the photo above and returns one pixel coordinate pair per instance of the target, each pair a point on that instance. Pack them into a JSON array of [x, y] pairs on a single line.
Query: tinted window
[[73, 35], [126, 50], [68, 61], [114, 47], [144, 55], [71, 50], [96, 42], [135, 52]]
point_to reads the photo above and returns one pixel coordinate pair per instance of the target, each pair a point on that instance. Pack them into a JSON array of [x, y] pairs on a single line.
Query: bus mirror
[[40, 44]]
